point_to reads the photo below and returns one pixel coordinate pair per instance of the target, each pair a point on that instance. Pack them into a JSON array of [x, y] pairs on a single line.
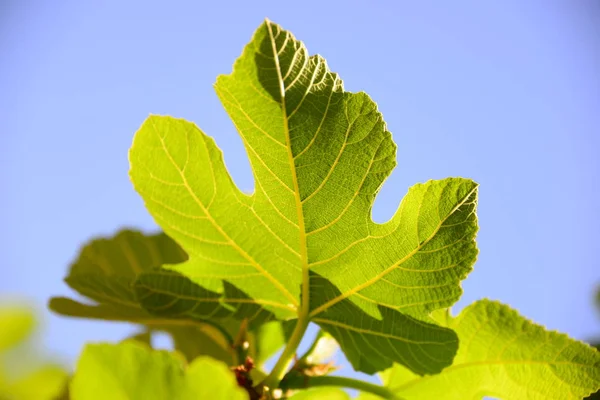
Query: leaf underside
[[319, 155], [505, 356]]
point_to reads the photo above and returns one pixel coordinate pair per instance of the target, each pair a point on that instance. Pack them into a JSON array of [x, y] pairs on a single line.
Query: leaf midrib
[[305, 289]]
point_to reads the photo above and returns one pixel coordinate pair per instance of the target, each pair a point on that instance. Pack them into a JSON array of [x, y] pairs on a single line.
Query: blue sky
[[504, 92]]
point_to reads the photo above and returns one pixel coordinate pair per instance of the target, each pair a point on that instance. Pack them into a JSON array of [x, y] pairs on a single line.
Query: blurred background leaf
[[23, 375], [17, 323]]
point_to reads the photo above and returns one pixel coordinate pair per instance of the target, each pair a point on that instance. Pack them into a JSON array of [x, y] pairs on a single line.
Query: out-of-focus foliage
[[22, 377], [132, 370]]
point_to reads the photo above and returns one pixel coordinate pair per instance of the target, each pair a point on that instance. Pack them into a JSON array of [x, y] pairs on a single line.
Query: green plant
[[23, 375], [237, 276]]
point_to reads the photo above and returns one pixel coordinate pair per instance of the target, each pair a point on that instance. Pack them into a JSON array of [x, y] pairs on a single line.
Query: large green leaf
[[319, 156], [504, 356], [131, 370]]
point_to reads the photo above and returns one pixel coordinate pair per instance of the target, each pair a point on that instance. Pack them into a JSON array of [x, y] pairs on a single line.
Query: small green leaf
[[130, 371], [504, 356], [107, 267], [17, 324], [319, 155]]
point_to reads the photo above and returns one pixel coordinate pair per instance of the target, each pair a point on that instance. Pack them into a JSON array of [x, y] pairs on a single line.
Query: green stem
[[297, 381], [280, 368]]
